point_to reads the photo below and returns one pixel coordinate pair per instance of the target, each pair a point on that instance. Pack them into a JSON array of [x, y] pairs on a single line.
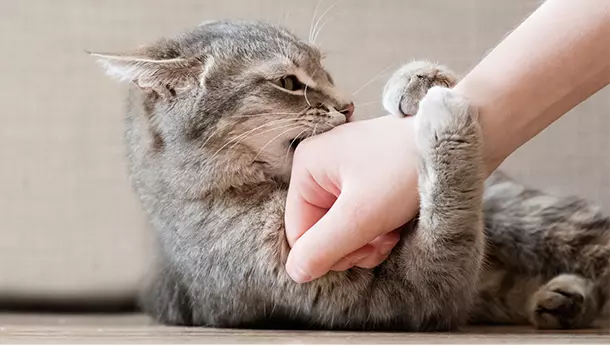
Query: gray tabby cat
[[214, 116]]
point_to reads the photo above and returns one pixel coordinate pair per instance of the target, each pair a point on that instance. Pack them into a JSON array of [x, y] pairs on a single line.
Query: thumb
[[306, 203], [346, 227]]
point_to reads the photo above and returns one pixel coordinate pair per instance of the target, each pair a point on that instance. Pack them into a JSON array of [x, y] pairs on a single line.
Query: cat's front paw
[[565, 302], [445, 116], [409, 84]]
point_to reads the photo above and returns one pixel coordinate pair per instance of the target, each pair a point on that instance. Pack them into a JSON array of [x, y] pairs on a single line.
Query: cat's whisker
[[253, 115], [286, 17], [378, 75], [280, 15], [306, 86], [366, 103], [245, 134], [241, 140], [210, 137], [273, 139], [317, 33], [252, 135], [274, 122], [322, 17], [305, 94], [284, 21], [218, 129], [315, 36], [313, 18], [355, 105], [313, 132], [290, 146], [261, 114]]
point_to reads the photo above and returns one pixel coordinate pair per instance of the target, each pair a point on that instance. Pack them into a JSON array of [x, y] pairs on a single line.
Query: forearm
[[553, 61]]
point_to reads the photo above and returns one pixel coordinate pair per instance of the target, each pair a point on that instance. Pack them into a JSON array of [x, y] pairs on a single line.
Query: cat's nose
[[348, 111]]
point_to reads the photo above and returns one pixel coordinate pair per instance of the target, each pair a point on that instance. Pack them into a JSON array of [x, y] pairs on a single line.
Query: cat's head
[[230, 93]]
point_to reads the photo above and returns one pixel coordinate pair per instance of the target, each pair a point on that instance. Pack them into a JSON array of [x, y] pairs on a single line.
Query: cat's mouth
[[294, 143]]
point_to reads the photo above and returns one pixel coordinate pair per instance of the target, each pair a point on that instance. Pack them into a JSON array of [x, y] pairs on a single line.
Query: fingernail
[[298, 275]]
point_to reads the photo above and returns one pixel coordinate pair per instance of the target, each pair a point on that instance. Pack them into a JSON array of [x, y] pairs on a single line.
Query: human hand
[[350, 189]]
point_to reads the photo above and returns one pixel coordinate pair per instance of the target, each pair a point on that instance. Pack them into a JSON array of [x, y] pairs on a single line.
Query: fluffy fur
[[214, 115]]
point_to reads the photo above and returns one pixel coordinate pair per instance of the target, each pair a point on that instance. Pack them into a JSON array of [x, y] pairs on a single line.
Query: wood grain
[[138, 329]]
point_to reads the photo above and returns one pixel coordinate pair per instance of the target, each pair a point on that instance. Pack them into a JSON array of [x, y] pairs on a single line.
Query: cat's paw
[[445, 116], [565, 302], [409, 84]]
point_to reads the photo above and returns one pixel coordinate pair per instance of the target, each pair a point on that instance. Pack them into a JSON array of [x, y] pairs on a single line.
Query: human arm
[[554, 60]]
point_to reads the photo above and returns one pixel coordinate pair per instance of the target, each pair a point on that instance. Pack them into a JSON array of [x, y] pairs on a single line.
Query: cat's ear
[[163, 76]]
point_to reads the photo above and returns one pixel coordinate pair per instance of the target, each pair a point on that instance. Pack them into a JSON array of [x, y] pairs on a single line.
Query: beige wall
[[69, 223]]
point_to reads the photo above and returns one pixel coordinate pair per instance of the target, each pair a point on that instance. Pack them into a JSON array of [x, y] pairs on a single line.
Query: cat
[[213, 119]]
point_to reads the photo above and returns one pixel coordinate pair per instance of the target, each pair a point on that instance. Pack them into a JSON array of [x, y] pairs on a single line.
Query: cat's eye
[[290, 83]]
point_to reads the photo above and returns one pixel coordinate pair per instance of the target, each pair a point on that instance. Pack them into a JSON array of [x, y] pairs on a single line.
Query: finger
[[342, 266], [306, 203], [371, 261], [348, 261], [299, 216], [383, 246], [345, 228], [370, 255], [386, 242]]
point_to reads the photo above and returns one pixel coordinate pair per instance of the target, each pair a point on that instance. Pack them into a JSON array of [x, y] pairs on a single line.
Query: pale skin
[[347, 195]]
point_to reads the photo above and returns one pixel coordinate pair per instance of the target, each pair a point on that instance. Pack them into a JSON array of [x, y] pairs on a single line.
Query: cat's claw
[[408, 86]]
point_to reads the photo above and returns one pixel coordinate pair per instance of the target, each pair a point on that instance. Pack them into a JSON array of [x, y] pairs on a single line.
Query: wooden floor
[[51, 328]]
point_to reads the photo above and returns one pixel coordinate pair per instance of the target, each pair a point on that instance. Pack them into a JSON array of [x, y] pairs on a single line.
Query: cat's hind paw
[[409, 84], [565, 302]]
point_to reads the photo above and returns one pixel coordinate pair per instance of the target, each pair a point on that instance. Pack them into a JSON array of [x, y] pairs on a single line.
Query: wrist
[[500, 138]]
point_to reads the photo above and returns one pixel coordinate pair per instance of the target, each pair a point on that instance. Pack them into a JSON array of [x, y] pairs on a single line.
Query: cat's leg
[[567, 301], [409, 84], [442, 257], [430, 279], [166, 299], [550, 258]]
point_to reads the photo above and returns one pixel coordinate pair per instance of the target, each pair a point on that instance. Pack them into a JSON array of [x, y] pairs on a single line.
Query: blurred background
[[71, 230]]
